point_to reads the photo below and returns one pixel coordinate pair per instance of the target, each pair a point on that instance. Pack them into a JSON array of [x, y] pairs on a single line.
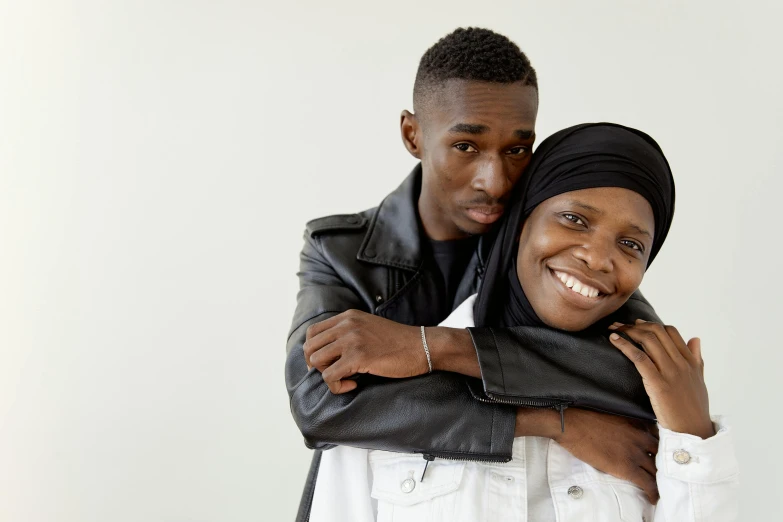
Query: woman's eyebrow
[[639, 229], [590, 208], [585, 206]]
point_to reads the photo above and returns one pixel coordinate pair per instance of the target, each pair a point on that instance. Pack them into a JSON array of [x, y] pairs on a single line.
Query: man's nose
[[596, 253], [493, 178]]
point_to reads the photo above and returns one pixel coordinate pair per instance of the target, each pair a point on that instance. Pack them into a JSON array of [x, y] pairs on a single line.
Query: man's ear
[[410, 130]]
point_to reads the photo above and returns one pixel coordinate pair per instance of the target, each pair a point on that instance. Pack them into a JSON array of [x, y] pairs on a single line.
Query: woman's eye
[[632, 244], [465, 147], [518, 151], [574, 219]]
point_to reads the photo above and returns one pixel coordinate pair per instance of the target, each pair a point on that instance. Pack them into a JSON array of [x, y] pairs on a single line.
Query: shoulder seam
[[335, 222]]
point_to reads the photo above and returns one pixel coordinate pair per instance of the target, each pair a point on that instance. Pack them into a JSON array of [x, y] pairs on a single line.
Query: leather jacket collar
[[394, 234]]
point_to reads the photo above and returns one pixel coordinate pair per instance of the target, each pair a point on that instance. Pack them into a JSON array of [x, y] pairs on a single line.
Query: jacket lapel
[[394, 237]]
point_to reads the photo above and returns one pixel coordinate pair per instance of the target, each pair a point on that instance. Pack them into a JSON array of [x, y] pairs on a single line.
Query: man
[[411, 261]]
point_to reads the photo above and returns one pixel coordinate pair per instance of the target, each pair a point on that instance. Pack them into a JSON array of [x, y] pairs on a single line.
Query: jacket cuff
[[694, 460], [489, 359], [503, 425]]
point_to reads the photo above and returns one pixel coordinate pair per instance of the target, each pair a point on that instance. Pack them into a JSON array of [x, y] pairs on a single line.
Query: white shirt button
[[408, 485], [575, 492], [681, 456]]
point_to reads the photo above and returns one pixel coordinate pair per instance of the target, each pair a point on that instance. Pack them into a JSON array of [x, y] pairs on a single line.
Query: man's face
[[476, 138]]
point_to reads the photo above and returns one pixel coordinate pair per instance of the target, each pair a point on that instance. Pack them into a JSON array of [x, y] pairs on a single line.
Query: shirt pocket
[[584, 494], [401, 494], [634, 506]]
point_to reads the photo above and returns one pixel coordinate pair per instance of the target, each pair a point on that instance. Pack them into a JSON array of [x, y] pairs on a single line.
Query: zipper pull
[[562, 408], [427, 460]]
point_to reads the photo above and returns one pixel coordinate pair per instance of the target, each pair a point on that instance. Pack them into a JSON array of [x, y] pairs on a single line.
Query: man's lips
[[485, 215]]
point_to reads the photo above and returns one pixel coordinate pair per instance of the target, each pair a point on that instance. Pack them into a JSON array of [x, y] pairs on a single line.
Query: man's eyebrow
[[469, 128], [524, 134]]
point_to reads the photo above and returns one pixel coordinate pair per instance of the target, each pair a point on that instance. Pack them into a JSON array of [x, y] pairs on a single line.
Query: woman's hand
[[673, 375]]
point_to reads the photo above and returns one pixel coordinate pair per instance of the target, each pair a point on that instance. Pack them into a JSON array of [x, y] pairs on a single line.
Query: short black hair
[[471, 54]]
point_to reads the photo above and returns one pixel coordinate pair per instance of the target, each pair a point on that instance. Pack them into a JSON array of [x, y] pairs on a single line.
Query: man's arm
[[616, 445], [580, 368], [517, 365], [433, 414]]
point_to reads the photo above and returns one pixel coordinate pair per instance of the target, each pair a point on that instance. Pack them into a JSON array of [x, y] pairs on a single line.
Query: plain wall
[[158, 162]]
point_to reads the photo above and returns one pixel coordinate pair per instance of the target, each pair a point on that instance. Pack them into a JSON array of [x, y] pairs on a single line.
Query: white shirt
[[697, 480]]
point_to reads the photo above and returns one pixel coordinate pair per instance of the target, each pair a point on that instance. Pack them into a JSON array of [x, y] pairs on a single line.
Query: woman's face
[[583, 253]]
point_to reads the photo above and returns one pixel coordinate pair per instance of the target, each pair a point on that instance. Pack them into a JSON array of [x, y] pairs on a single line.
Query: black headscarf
[[585, 156]]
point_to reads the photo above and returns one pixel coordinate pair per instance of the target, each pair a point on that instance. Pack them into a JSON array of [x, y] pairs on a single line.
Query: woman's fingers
[[682, 346], [694, 345], [644, 364], [662, 334], [648, 338]]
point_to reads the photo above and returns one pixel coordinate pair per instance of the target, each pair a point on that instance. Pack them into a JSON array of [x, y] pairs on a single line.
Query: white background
[[158, 162]]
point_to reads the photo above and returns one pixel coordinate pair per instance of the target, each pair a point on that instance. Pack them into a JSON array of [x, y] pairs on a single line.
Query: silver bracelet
[[426, 349]]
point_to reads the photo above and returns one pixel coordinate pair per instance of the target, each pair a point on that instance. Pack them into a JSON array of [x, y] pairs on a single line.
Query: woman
[[574, 246]]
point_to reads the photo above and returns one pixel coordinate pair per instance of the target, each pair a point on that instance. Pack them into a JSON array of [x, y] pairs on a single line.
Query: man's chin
[[468, 226]]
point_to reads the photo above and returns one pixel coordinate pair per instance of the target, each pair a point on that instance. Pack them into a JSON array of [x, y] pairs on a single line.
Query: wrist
[[703, 430], [451, 350], [538, 422]]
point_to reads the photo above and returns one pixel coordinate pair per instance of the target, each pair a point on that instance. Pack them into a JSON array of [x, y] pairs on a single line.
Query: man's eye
[[632, 244], [518, 151], [465, 147], [574, 219]]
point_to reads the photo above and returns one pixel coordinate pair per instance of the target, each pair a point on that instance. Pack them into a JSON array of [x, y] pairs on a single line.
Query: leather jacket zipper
[[429, 457], [555, 404]]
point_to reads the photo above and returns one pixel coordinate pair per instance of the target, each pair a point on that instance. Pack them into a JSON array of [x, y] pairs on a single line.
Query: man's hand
[[357, 342], [622, 447]]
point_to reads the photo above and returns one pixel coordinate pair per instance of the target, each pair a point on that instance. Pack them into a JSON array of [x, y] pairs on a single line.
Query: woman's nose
[[596, 255]]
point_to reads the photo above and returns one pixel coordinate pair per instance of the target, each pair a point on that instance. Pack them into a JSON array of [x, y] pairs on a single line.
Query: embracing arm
[[523, 363], [433, 414], [360, 343]]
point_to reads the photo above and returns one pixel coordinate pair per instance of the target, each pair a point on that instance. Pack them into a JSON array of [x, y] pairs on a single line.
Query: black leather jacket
[[373, 262]]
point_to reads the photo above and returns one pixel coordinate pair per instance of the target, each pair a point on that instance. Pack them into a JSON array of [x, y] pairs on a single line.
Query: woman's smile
[[575, 291]]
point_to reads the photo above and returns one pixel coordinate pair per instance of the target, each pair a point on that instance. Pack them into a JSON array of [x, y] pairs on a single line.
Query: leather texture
[[372, 261], [582, 370]]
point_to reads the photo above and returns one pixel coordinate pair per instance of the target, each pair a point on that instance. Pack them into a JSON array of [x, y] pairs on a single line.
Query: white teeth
[[576, 285]]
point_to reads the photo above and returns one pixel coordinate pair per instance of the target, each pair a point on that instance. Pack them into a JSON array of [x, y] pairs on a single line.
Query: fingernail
[[641, 321], [615, 326], [614, 337]]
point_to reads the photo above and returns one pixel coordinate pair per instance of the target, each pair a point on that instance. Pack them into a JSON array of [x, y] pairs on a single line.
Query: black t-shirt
[[451, 259]]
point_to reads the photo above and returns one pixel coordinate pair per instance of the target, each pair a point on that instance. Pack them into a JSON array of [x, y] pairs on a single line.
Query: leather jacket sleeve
[[434, 414], [537, 365]]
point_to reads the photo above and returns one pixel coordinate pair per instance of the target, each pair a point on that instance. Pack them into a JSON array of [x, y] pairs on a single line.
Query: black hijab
[[589, 155]]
